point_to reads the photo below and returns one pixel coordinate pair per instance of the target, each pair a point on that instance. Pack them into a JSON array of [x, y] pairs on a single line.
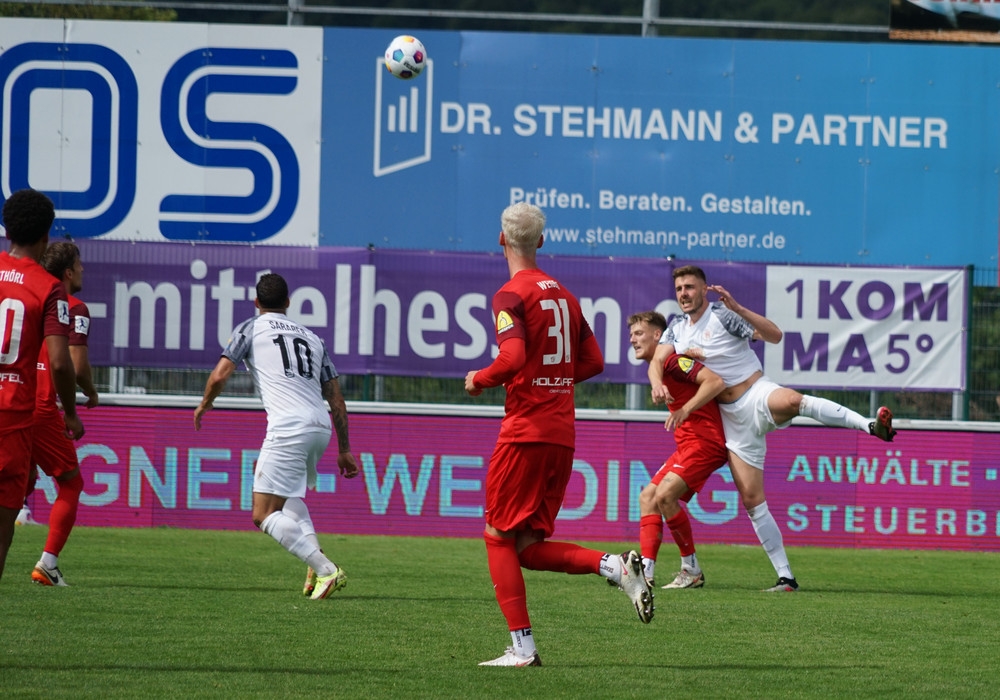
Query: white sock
[[295, 508], [769, 535], [290, 536], [833, 414], [523, 642], [611, 568], [49, 560], [648, 567], [690, 564]]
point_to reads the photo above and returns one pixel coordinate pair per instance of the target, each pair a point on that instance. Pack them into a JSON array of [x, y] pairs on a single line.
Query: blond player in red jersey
[[33, 310], [546, 347], [701, 449], [52, 451]]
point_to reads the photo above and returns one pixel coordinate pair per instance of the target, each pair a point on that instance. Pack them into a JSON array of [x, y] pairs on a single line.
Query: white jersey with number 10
[[289, 364]]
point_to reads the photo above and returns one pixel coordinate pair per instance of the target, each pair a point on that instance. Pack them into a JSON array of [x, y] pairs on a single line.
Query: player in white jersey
[[297, 381], [719, 335]]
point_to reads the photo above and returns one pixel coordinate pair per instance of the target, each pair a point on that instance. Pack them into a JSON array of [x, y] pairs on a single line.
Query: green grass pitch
[[164, 613]]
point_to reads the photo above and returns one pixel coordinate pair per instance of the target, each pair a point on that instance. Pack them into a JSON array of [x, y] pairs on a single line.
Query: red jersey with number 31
[[33, 305], [539, 405]]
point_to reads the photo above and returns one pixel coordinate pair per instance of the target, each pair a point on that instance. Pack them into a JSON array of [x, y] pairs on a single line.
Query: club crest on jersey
[[504, 322], [685, 363]]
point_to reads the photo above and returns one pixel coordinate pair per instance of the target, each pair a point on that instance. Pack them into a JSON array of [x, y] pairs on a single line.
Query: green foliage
[[201, 614], [984, 359], [857, 12], [38, 9]]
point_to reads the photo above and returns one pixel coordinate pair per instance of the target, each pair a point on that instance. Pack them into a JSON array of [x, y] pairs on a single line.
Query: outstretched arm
[[764, 329], [213, 387]]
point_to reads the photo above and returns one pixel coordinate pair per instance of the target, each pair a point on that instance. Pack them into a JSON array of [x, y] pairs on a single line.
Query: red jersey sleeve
[[55, 312], [679, 376], [502, 370], [590, 361], [79, 316]]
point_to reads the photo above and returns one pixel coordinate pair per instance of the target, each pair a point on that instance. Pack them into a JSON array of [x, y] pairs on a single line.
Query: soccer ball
[[405, 57]]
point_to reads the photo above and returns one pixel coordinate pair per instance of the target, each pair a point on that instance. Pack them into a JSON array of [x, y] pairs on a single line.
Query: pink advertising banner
[[424, 475]]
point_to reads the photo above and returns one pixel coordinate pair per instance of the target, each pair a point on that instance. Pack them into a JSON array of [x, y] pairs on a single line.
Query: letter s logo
[[96, 191], [189, 85]]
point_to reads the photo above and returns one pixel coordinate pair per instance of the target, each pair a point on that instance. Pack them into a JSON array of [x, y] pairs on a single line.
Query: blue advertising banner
[[701, 149], [647, 147]]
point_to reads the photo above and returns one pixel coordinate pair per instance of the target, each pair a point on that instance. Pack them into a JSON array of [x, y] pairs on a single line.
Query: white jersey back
[[289, 364], [724, 338]]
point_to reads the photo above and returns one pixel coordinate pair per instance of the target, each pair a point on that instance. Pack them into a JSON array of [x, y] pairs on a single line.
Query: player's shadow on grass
[[840, 590], [358, 591], [686, 668], [162, 668]]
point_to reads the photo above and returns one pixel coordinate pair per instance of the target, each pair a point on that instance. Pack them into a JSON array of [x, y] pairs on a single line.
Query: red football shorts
[[694, 465], [52, 450], [15, 464], [525, 485]]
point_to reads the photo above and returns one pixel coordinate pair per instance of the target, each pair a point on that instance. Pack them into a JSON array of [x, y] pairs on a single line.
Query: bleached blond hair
[[522, 225]]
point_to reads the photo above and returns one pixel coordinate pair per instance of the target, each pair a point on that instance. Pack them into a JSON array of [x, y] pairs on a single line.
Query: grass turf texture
[[184, 613]]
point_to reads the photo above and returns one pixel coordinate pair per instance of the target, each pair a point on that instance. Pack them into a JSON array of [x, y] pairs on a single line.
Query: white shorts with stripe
[[748, 420], [287, 464]]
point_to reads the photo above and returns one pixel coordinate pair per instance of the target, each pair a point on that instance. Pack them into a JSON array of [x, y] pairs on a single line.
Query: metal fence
[[636, 17]]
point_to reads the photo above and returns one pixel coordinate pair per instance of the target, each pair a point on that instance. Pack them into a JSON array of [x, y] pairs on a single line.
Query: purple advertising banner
[[379, 311], [425, 475], [417, 313]]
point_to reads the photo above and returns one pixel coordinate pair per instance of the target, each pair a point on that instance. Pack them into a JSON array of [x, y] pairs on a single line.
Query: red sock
[[63, 513], [508, 581], [650, 535], [680, 528], [561, 556]]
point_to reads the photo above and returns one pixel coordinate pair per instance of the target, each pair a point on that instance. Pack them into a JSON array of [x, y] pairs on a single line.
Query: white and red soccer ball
[[405, 57]]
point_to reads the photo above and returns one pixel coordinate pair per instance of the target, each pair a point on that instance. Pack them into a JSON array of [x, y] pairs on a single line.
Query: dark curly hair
[[272, 291], [28, 215]]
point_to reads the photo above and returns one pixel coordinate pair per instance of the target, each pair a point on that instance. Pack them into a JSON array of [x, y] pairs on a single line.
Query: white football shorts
[[748, 420], [286, 465]]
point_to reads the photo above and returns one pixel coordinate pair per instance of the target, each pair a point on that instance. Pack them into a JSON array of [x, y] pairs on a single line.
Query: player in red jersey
[[701, 449], [33, 309], [546, 347], [53, 451]]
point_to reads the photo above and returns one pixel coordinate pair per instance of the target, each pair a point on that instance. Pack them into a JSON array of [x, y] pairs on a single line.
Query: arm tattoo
[[338, 413]]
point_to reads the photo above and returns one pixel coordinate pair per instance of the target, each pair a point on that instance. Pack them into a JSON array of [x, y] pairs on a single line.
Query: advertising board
[[416, 313], [700, 149], [425, 474]]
